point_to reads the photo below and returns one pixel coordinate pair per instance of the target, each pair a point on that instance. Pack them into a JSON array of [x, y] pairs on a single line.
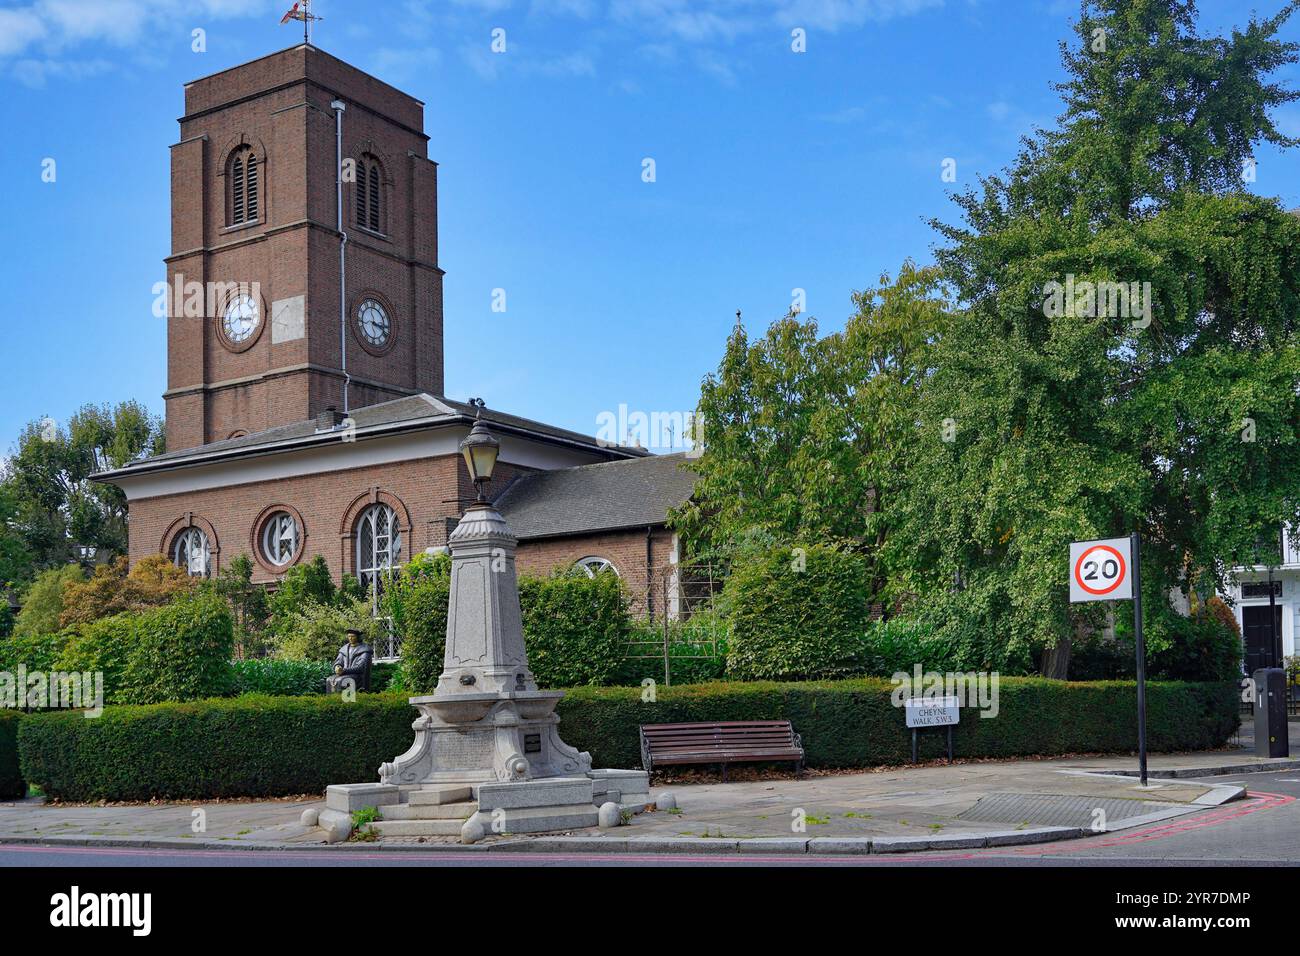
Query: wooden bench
[[725, 742]]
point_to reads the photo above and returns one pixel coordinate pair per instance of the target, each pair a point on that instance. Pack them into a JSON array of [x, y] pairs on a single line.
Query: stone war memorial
[[487, 757]]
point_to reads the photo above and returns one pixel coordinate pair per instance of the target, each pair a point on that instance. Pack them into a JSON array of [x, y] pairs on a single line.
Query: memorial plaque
[[453, 751], [532, 743]]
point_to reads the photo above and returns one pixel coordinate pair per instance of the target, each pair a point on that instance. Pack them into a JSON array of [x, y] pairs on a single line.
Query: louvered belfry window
[[244, 183], [369, 202]]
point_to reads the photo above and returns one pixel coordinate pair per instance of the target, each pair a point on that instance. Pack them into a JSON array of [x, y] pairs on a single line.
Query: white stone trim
[[342, 456]]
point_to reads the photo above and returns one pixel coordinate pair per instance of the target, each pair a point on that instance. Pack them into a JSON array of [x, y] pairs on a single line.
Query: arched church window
[[192, 553], [369, 194], [379, 546], [593, 566], [243, 192]]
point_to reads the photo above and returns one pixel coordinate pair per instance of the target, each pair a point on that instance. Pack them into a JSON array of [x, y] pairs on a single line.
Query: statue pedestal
[[487, 744], [477, 738]]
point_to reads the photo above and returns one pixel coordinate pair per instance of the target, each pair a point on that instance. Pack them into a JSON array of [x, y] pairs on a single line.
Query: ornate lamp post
[[480, 451]]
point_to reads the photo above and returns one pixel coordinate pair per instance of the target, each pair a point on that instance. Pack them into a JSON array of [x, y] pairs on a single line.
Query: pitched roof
[[402, 414], [601, 497]]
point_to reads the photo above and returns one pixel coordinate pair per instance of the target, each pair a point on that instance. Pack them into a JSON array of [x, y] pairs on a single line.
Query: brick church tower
[[255, 336]]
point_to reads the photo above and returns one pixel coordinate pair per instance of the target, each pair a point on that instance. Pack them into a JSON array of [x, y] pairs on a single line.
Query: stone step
[[432, 811], [542, 819], [417, 828], [439, 793]]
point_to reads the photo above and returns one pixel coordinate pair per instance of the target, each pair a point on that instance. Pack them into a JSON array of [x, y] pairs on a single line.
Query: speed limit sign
[[1101, 570]]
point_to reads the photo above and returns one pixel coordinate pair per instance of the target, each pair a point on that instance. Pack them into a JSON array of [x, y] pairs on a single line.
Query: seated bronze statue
[[352, 666]]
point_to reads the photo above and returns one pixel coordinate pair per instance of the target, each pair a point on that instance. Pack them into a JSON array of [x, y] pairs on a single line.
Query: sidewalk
[[931, 807]]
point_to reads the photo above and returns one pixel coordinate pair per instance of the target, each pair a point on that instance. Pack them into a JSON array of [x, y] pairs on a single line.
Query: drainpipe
[[339, 107], [649, 579]]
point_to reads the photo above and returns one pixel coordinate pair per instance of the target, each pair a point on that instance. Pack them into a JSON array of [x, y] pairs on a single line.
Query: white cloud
[[53, 26], [35, 73], [832, 15]]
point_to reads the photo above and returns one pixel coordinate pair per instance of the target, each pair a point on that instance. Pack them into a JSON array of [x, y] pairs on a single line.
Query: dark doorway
[[1257, 636]]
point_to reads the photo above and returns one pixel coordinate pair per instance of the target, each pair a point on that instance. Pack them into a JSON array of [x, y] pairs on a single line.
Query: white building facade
[[1250, 599]]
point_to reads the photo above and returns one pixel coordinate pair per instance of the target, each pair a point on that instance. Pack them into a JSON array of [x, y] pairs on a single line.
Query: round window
[[239, 321], [375, 324], [280, 538]]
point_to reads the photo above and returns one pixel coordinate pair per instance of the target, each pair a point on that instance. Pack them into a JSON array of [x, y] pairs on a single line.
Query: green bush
[[37, 652], [102, 645], [180, 652], [697, 650], [250, 746], [853, 723], [900, 643], [43, 602], [12, 785], [417, 602], [575, 627], [315, 632], [6, 617], [1204, 646], [277, 678], [797, 614], [386, 676], [274, 746]]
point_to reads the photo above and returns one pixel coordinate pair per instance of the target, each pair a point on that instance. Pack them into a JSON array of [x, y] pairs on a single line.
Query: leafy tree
[[15, 558], [248, 604], [56, 506], [43, 603], [1180, 420], [806, 436], [118, 586]]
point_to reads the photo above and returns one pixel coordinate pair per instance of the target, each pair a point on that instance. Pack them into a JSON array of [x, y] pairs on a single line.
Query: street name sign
[[932, 711]]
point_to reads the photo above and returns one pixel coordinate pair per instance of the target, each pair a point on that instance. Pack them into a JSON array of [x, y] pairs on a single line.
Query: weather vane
[[301, 10]]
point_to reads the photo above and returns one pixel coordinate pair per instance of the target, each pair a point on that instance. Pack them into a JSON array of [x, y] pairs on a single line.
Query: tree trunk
[[1056, 660]]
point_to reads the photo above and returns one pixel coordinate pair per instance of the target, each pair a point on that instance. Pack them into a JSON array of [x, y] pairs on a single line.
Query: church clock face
[[376, 326], [239, 321]]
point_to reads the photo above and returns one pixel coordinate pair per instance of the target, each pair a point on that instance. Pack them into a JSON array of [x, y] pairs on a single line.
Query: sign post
[[923, 712], [1111, 570], [1141, 657]]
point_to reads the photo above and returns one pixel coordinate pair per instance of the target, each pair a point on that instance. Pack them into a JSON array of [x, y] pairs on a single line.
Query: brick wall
[[279, 106], [625, 549], [423, 492]]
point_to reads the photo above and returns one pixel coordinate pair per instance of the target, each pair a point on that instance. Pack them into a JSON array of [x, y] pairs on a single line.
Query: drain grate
[[1051, 809]]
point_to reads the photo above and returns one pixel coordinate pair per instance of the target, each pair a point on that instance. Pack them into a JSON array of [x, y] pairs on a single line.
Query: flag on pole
[[293, 14]]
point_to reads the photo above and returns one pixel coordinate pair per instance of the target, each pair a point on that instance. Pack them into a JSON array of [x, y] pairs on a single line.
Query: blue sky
[[775, 170]]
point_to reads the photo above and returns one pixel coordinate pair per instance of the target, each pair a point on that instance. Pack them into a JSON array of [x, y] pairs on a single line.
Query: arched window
[[369, 193], [379, 545], [192, 552], [243, 192], [593, 566]]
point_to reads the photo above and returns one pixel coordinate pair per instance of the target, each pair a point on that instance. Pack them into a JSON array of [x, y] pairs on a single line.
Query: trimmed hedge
[[853, 723], [251, 746], [12, 785], [274, 746]]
